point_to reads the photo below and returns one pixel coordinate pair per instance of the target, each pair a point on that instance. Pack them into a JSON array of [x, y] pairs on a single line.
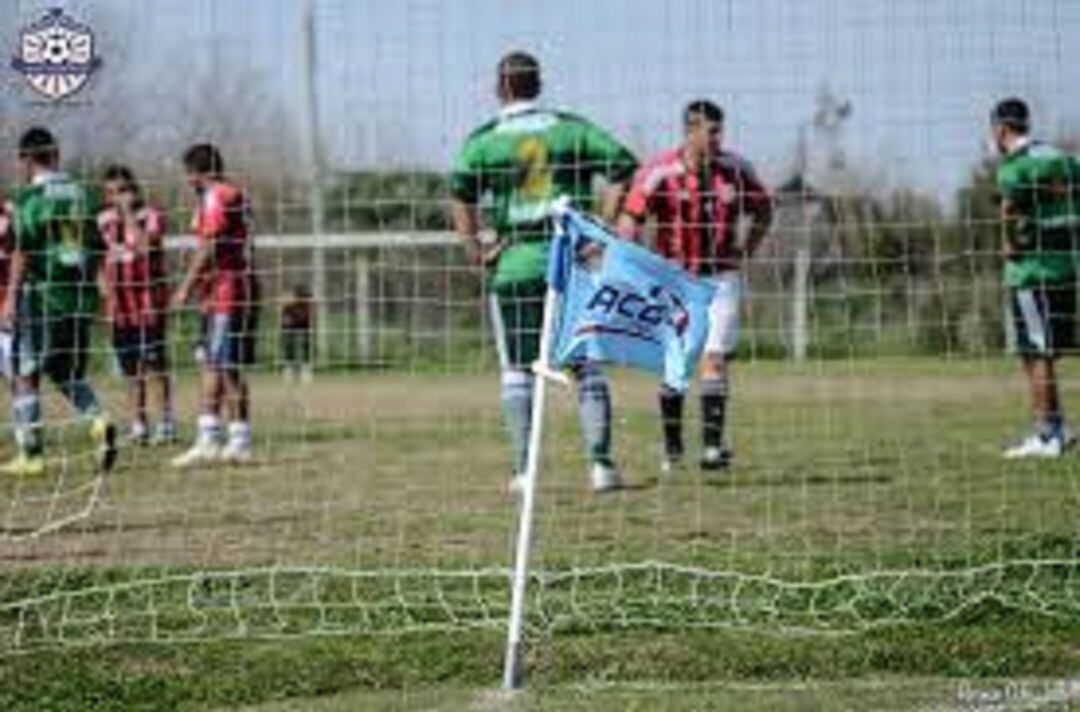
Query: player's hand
[[485, 254], [590, 252], [179, 298]]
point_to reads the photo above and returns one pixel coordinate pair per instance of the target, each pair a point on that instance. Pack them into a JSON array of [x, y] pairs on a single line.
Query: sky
[[401, 82]]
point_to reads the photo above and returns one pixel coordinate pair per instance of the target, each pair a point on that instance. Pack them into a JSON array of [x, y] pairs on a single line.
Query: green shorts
[[57, 345], [1045, 319], [517, 314]]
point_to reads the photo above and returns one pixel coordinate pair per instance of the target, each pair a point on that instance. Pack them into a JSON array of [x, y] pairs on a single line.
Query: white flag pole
[[513, 668]]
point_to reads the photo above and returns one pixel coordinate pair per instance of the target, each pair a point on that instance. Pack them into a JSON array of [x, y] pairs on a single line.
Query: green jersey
[[523, 161], [1042, 185], [56, 228]]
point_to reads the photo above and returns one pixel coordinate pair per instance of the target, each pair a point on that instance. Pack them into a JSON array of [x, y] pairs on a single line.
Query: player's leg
[[215, 345], [66, 356], [594, 408], [509, 325], [126, 348], [1044, 326], [26, 397], [155, 364], [719, 348], [672, 404], [240, 355]]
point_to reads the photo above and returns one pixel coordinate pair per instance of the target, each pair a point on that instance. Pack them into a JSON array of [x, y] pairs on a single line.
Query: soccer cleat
[[103, 431], [605, 478], [164, 433], [1035, 446], [236, 452], [139, 433], [672, 462], [23, 465], [201, 453], [716, 458]]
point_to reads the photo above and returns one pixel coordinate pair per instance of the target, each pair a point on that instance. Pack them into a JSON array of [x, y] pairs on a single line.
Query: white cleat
[[605, 478], [716, 458], [201, 453], [671, 464], [1035, 446], [236, 453]]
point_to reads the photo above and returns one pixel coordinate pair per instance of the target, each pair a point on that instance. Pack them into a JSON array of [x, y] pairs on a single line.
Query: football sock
[[671, 418], [517, 397], [594, 407], [714, 395], [26, 410]]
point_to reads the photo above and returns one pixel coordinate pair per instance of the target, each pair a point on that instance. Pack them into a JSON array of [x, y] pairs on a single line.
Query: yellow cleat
[[24, 466], [104, 433]]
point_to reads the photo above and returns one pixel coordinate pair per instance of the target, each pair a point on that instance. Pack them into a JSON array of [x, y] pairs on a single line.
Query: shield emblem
[[56, 55]]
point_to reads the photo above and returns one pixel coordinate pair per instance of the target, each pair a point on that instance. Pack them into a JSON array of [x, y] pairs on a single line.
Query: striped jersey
[[697, 209], [138, 290]]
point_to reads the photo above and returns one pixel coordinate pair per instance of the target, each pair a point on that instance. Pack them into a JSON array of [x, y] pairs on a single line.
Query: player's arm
[[466, 187], [1011, 210], [635, 209], [615, 162], [196, 268], [758, 207], [22, 234]]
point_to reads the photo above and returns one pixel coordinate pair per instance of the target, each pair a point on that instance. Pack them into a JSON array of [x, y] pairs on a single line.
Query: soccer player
[[1040, 212], [297, 321], [221, 272], [523, 160], [52, 300], [136, 297], [699, 193]]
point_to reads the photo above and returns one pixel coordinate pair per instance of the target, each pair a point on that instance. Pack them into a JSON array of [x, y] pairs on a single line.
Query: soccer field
[[869, 528]]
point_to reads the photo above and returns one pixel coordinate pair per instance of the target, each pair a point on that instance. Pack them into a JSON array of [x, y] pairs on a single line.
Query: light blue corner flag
[[626, 306]]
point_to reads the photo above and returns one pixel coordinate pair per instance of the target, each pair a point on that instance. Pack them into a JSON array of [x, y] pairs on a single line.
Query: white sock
[[240, 433], [209, 429]]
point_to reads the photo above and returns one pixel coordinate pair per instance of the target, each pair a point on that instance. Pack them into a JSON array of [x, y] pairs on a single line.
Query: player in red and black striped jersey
[[699, 195], [137, 298], [221, 274], [7, 243]]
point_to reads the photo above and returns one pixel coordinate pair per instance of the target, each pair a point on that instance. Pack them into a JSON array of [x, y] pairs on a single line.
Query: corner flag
[[626, 306]]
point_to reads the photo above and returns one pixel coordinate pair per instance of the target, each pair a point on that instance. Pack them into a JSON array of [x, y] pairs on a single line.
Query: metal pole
[[513, 668], [310, 128]]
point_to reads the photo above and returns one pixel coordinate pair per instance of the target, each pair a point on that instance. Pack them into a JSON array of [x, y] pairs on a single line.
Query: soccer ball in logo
[[56, 55], [57, 49]]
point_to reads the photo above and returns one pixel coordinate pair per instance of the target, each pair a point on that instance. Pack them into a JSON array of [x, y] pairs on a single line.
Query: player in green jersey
[[1040, 210], [52, 300], [522, 161]]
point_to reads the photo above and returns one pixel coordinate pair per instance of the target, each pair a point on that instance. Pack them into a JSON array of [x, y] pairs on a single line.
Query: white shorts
[[724, 313]]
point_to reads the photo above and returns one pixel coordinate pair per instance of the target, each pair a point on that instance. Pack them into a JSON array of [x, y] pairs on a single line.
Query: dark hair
[[1012, 113], [705, 109], [38, 145], [519, 74], [122, 174], [204, 158]]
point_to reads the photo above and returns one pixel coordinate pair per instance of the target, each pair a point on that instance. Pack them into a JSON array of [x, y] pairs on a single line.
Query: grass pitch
[[868, 529]]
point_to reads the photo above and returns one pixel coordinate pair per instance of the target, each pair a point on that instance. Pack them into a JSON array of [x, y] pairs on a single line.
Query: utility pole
[[310, 128]]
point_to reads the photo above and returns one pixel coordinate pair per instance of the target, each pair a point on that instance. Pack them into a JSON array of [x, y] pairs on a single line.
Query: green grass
[[869, 541]]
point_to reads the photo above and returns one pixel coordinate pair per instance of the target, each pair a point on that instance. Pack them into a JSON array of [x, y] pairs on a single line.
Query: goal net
[[873, 388]]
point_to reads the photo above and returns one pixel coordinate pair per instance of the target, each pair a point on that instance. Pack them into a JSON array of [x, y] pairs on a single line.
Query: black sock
[[671, 416], [713, 407]]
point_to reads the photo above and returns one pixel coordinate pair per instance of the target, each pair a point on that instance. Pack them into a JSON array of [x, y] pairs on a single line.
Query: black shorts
[[1045, 319], [135, 345]]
